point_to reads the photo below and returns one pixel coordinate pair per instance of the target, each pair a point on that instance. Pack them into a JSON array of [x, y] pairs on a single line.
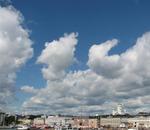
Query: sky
[[73, 56]]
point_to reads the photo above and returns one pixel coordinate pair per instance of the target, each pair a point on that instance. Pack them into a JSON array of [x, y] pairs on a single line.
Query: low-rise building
[[113, 121], [25, 121], [140, 121], [38, 121], [58, 121], [110, 121], [93, 123], [81, 122], [135, 122]]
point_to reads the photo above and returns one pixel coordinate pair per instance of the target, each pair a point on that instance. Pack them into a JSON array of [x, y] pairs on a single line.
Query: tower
[[120, 110]]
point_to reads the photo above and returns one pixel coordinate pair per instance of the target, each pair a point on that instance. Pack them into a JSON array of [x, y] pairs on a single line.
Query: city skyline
[[74, 56]]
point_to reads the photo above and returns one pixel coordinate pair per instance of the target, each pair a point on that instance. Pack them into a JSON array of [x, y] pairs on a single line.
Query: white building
[[119, 110], [112, 121], [135, 122], [58, 121], [140, 121], [39, 121], [2, 117]]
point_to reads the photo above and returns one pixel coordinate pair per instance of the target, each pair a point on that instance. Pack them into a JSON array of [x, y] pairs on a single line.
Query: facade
[[58, 121], [110, 121], [93, 123], [74, 122], [38, 121], [81, 122], [119, 110], [113, 121], [2, 118], [25, 121], [134, 122], [140, 121]]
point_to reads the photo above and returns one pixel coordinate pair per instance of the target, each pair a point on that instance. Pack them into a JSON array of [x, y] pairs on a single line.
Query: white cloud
[[130, 61], [29, 89], [58, 55], [110, 79], [101, 63], [15, 50]]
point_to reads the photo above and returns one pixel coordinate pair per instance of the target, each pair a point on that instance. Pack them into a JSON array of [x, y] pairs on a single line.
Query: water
[[7, 129]]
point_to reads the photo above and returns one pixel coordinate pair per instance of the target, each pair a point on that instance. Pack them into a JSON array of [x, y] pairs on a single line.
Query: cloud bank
[[110, 79], [15, 50]]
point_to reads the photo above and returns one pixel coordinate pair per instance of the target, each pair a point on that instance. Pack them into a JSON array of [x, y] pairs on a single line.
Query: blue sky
[[96, 21]]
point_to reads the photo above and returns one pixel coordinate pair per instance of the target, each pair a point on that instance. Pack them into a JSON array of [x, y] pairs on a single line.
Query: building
[[110, 121], [119, 110], [2, 118], [140, 121], [128, 122], [81, 122], [58, 121], [93, 123], [38, 121], [25, 121], [113, 121]]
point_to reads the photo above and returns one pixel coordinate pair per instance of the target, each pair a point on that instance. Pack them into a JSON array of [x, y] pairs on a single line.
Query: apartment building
[[93, 123], [140, 121]]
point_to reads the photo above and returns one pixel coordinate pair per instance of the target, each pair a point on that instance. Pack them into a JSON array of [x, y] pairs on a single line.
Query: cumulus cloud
[[68, 94], [110, 79], [130, 69], [130, 61], [58, 55], [15, 50], [101, 63], [29, 89]]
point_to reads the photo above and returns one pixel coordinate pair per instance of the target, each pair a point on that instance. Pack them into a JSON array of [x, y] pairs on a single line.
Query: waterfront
[[7, 129], [84, 129]]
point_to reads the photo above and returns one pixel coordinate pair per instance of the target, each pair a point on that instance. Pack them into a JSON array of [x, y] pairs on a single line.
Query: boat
[[7, 128], [132, 129], [22, 127]]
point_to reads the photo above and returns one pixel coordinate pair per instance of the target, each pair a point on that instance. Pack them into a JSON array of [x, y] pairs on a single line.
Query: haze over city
[[73, 56]]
